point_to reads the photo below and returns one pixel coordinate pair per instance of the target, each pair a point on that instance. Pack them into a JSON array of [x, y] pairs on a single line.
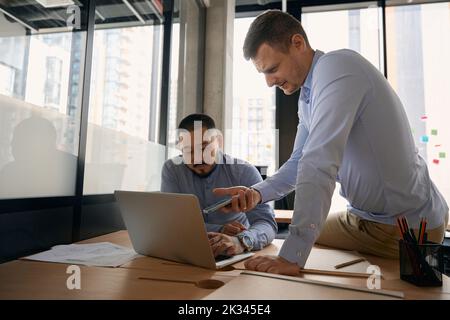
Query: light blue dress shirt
[[352, 129], [260, 222]]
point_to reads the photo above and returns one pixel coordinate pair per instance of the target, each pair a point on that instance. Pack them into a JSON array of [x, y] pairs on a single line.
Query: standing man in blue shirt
[[202, 167], [352, 129]]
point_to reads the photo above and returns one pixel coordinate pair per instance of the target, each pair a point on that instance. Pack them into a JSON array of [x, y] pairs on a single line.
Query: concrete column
[[190, 88], [218, 88]]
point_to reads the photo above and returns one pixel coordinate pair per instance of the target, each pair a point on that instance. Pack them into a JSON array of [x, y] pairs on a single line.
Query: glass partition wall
[[42, 52], [81, 98], [43, 47]]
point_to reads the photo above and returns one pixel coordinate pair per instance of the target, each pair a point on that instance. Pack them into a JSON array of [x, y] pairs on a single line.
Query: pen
[[349, 263]]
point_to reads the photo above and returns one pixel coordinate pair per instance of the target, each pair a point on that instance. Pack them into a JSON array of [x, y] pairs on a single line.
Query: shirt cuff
[[264, 190], [296, 249]]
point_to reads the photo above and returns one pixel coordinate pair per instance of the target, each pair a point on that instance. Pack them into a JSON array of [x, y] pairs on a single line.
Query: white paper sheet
[[102, 254], [326, 260]]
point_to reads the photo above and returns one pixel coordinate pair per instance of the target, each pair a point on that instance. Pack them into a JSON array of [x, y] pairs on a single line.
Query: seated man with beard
[[201, 168]]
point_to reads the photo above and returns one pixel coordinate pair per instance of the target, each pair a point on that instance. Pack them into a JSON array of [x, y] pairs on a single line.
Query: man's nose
[[270, 80]]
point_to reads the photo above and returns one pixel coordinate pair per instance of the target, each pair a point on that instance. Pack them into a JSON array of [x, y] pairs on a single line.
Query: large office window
[[418, 51], [121, 150], [53, 82], [121, 84], [40, 100], [253, 136], [418, 47], [352, 26]]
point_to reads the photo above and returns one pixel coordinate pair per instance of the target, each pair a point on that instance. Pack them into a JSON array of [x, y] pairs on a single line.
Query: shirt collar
[[307, 83]]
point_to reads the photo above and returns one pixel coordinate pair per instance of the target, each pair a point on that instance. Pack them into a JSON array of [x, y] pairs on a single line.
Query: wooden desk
[[391, 277], [23, 279], [283, 216], [40, 280]]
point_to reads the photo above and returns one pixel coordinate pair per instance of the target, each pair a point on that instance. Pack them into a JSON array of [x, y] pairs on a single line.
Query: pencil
[[349, 263], [405, 226], [421, 231], [400, 227], [425, 238], [409, 231], [413, 236]]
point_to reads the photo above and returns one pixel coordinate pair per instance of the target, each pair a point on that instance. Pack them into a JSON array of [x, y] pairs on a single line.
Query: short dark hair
[[275, 28], [189, 121]]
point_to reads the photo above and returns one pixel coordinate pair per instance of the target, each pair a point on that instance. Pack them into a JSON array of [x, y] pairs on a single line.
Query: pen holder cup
[[421, 264]]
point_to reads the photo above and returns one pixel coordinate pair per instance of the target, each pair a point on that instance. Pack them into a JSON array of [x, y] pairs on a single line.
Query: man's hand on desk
[[246, 200], [233, 228], [273, 264], [222, 244]]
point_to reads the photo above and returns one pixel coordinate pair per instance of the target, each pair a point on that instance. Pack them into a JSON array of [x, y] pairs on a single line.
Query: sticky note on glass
[[434, 132], [436, 161], [424, 139], [442, 155]]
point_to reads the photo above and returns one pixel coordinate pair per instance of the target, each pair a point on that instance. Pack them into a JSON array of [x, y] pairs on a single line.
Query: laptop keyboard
[[221, 258]]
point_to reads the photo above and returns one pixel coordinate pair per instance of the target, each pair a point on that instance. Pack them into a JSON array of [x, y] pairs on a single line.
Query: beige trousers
[[344, 230]]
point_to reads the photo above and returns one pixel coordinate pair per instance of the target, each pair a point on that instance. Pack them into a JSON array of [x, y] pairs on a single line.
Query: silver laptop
[[169, 226]]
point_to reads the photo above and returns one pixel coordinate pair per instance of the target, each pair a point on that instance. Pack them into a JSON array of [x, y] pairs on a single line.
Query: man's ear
[[184, 138], [220, 141], [297, 41], [217, 134], [178, 143]]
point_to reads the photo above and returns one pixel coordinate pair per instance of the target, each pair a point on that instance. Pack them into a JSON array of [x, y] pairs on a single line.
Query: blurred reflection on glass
[[41, 62]]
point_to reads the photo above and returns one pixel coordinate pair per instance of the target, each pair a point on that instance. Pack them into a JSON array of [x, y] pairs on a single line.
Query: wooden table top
[[283, 216], [22, 279]]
